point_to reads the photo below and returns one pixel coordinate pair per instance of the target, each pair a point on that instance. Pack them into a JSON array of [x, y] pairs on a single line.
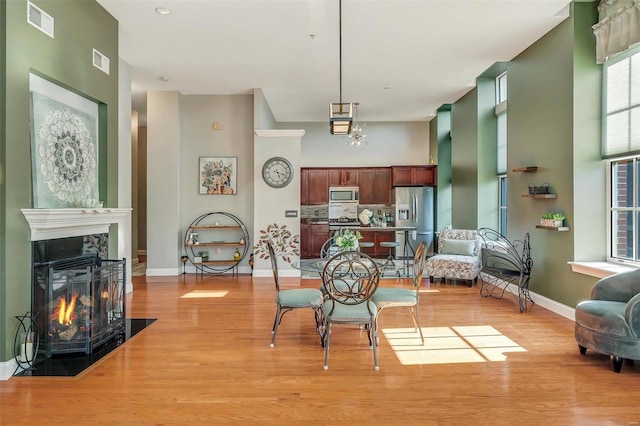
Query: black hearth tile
[[67, 365]]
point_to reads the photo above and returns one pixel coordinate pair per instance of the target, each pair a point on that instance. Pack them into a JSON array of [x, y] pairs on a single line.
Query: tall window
[[621, 136], [501, 115]]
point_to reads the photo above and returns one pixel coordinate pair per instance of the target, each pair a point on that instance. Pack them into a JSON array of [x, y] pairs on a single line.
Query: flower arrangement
[[285, 244], [365, 216], [348, 240]]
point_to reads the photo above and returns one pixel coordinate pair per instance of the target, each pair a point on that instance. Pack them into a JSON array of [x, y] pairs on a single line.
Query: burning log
[[68, 333]]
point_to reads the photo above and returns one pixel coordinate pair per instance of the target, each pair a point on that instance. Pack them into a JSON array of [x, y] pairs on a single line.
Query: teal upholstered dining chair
[[350, 279], [288, 300], [395, 297]]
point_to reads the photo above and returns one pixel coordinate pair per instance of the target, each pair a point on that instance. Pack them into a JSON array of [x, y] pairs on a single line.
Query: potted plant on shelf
[[546, 219], [553, 220], [558, 219]]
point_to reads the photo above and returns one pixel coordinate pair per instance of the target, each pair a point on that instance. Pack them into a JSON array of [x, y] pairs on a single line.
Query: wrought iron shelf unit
[[220, 230]]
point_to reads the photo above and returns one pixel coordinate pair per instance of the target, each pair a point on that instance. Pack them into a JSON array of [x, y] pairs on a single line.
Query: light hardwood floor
[[207, 360]]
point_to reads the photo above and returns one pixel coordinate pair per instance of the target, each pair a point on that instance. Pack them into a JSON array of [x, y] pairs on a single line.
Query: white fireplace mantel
[[47, 224]]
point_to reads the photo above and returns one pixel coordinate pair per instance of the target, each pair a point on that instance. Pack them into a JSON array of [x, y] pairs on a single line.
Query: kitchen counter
[[375, 228], [314, 221]]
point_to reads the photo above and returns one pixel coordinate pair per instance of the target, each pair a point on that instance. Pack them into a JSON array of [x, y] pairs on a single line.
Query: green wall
[[553, 122], [543, 115], [440, 147], [80, 26], [464, 162], [3, 149]]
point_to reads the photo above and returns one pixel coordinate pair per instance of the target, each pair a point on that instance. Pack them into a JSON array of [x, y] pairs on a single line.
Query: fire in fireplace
[[79, 301]]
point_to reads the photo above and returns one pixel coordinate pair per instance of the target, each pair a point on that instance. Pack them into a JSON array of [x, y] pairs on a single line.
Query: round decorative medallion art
[[67, 158]]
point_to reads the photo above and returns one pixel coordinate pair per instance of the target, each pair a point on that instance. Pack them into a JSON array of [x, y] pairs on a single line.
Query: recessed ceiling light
[[163, 78], [163, 11]]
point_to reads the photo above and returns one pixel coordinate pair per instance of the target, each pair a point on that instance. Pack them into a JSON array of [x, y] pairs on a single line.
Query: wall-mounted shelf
[[540, 196], [554, 228], [528, 169]]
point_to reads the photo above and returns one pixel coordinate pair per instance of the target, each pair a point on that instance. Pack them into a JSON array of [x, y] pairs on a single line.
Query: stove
[[336, 224]]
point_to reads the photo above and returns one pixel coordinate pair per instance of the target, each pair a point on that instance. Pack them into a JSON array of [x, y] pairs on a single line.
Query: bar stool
[[366, 244], [390, 245]]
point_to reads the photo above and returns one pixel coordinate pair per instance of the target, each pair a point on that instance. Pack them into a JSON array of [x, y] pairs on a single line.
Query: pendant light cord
[[340, 38]]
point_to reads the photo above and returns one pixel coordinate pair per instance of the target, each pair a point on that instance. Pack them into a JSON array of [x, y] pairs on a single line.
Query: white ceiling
[[401, 59]]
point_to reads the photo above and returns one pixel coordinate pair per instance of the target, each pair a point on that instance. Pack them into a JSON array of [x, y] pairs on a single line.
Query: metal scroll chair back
[[288, 300], [419, 260], [350, 279], [506, 266], [395, 297]]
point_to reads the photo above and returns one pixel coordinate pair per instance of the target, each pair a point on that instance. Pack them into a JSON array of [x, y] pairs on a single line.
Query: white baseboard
[[163, 272], [545, 302], [7, 368]]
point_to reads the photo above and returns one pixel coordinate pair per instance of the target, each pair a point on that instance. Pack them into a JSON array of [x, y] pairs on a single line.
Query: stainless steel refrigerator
[[415, 206]]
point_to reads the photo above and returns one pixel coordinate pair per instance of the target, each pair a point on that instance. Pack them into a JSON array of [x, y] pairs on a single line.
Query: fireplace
[[78, 297]]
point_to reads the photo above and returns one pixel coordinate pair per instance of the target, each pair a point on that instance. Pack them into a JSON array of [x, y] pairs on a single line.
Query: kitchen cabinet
[[312, 237], [375, 185], [344, 177], [305, 240], [376, 237], [318, 186], [414, 175], [304, 187]]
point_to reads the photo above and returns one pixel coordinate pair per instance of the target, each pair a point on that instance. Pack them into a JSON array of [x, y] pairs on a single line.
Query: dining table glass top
[[317, 265]]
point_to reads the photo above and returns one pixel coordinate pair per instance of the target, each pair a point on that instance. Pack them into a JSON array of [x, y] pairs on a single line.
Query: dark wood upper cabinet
[[414, 175], [344, 177], [318, 186], [375, 185], [304, 187]]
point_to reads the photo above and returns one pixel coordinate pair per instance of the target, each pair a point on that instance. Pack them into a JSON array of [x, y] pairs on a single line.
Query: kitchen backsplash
[[322, 211]]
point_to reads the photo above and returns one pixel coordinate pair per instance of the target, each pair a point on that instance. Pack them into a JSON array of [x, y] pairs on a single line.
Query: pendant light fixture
[[357, 138], [340, 113]]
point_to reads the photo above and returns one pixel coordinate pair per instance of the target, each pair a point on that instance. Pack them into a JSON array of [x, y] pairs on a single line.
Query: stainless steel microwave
[[344, 194]]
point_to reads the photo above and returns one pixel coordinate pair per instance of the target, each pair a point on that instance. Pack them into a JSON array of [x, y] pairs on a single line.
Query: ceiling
[[401, 59]]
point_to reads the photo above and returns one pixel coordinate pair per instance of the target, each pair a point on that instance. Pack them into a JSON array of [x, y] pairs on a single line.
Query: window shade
[[618, 27], [622, 107]]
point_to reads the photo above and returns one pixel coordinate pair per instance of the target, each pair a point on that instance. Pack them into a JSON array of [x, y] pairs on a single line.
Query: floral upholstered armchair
[[458, 256]]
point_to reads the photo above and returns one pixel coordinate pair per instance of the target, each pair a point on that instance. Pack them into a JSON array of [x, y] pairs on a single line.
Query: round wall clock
[[277, 172]]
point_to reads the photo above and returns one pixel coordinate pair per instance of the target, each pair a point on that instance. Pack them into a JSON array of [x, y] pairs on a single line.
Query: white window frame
[[501, 109], [631, 155], [502, 208], [635, 209]]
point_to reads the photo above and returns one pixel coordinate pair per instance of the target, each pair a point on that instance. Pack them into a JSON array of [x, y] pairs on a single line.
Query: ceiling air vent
[[100, 61], [40, 19]]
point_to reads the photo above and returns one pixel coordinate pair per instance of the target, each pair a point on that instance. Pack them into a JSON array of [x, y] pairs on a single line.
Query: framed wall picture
[[64, 147], [218, 175]]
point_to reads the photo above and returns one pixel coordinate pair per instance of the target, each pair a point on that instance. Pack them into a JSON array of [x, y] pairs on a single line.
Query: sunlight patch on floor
[[450, 345], [204, 294]]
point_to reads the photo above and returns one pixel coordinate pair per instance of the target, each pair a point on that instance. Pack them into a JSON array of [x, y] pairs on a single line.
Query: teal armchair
[[609, 323]]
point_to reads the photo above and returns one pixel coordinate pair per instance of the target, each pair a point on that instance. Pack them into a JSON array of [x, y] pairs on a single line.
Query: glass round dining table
[[317, 265]]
